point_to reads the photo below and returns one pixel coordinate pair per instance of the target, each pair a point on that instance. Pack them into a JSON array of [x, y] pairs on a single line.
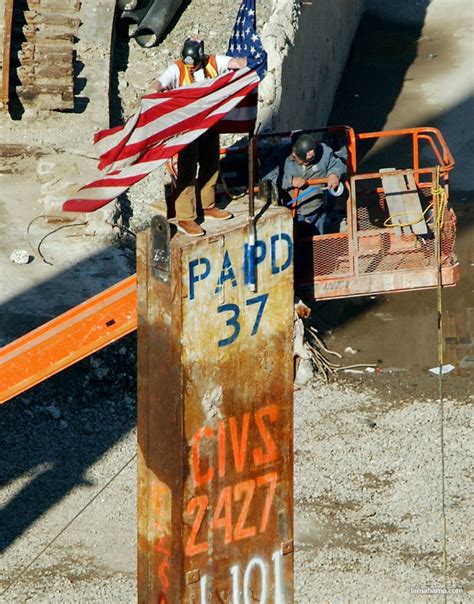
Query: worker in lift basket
[[195, 66], [309, 160]]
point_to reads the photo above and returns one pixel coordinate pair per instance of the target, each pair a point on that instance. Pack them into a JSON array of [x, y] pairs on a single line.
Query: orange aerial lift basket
[[394, 219]]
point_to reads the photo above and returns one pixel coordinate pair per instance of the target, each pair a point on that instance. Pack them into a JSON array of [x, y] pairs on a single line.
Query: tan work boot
[[216, 214], [190, 228]]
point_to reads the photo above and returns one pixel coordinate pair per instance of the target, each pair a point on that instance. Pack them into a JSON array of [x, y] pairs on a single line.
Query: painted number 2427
[[233, 319]]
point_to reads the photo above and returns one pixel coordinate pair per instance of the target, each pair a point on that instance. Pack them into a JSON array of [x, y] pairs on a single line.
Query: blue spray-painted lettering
[[194, 277], [253, 256], [200, 268], [261, 300], [227, 273], [232, 321], [289, 245]]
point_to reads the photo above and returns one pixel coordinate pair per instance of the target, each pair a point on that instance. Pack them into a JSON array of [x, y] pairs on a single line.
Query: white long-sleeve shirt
[[169, 79]]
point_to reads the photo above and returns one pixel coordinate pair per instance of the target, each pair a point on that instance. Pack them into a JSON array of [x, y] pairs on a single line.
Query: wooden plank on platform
[[413, 207], [403, 202], [394, 199]]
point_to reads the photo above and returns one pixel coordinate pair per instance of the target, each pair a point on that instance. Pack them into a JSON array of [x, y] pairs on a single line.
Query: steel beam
[[68, 338]]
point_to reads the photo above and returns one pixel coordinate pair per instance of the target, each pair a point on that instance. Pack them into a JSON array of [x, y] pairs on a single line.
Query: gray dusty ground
[[368, 500], [367, 447]]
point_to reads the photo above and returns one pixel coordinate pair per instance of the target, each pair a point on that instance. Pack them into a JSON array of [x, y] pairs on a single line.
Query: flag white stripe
[[227, 106], [133, 170], [198, 106]]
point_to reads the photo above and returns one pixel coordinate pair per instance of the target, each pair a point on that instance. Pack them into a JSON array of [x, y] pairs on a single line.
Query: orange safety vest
[[185, 75]]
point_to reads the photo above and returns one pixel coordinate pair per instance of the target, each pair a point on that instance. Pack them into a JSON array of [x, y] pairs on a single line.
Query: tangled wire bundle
[[319, 353]]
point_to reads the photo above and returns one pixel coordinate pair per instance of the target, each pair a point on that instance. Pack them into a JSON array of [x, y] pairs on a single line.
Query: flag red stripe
[[173, 100], [85, 205], [96, 194], [104, 133], [125, 149], [199, 119]]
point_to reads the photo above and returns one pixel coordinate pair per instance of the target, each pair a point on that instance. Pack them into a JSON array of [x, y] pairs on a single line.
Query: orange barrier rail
[[432, 135], [68, 338]]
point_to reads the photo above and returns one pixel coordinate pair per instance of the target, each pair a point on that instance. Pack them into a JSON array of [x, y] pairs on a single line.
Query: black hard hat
[[303, 147], [193, 51]]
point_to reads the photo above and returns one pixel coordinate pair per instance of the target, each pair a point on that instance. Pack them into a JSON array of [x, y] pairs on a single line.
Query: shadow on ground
[[382, 53], [51, 435]]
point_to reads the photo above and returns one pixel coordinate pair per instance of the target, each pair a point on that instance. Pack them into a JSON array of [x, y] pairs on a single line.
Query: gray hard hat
[[305, 147]]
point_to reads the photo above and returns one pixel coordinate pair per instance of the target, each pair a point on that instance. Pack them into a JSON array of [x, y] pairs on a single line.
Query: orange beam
[[68, 338]]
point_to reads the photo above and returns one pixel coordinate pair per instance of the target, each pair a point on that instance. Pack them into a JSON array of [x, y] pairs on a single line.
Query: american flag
[[245, 42], [166, 122]]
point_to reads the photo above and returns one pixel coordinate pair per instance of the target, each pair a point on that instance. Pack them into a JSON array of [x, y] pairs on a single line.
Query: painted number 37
[[233, 319]]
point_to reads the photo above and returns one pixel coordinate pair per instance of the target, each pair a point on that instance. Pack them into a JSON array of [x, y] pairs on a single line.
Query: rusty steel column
[[215, 414], [7, 18]]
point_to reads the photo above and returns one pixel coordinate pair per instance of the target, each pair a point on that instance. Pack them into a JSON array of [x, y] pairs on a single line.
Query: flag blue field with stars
[[245, 42]]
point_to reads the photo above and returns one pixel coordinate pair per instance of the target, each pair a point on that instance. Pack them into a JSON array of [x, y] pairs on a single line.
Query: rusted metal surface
[[215, 369], [68, 338], [6, 11]]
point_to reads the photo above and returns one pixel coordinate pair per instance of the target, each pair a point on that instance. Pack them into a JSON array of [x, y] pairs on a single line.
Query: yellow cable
[[440, 202], [438, 192], [389, 224]]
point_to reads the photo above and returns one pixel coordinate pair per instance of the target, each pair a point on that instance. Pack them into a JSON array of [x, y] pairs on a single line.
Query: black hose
[[137, 15], [155, 22]]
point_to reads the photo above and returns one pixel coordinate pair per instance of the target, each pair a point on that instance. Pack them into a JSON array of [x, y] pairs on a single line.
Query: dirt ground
[[369, 516]]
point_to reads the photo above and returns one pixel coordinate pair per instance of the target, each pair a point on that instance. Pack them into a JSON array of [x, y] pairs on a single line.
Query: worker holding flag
[[198, 95], [195, 66]]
